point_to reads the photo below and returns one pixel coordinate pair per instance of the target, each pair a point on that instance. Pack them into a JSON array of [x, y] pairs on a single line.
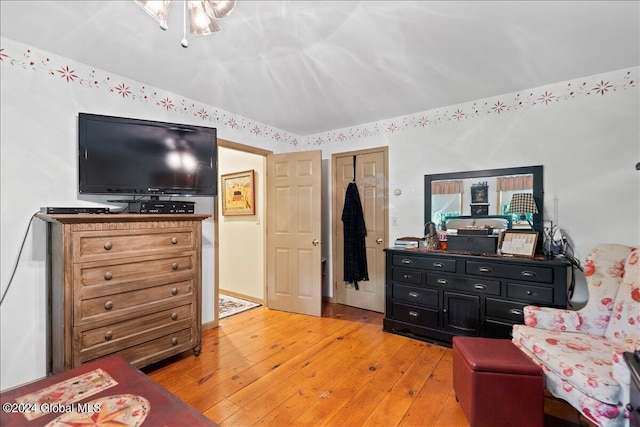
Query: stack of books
[[408, 242]]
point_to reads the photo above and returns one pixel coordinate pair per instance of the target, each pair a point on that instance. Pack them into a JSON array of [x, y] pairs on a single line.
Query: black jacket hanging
[[355, 253]]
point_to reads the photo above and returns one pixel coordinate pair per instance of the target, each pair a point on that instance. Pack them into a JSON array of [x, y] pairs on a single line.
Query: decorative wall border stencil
[[73, 73]]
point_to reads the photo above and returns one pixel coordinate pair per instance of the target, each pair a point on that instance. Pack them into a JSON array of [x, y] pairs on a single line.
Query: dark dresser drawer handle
[[438, 265], [108, 246], [516, 312], [108, 305], [485, 269], [174, 316], [108, 335], [174, 341], [480, 287], [529, 293], [407, 276], [406, 261], [108, 275], [414, 314], [443, 282], [528, 273], [414, 295], [174, 240]]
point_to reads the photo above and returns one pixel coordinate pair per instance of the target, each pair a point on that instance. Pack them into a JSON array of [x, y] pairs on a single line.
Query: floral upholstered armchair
[[580, 352]]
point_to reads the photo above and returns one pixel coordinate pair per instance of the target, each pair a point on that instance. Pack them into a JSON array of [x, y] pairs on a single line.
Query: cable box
[[156, 207], [81, 210]]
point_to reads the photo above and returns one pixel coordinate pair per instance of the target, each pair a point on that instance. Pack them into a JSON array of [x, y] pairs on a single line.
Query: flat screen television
[[125, 156]]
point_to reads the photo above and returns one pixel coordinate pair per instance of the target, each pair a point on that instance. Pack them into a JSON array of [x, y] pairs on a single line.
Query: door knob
[[379, 240], [315, 242]]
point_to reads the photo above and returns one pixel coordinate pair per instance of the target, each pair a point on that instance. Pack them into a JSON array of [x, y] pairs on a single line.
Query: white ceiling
[[312, 66]]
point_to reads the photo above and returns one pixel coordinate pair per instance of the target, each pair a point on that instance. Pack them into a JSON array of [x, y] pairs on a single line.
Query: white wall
[[586, 137], [588, 141], [242, 238], [42, 95]]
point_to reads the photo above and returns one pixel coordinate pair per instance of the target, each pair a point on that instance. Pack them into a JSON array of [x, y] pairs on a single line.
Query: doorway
[[369, 170]]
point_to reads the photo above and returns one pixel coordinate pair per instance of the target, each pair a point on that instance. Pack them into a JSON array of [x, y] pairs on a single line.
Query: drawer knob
[[174, 291], [407, 276], [443, 282], [480, 287], [108, 335], [516, 312], [528, 273], [108, 305], [414, 295], [108, 275], [406, 261], [529, 293], [174, 266], [174, 316], [108, 246], [414, 314], [438, 265], [174, 240], [630, 408], [484, 269], [174, 341]]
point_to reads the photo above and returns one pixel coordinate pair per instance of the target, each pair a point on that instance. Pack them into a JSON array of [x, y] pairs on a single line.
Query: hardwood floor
[[266, 367]]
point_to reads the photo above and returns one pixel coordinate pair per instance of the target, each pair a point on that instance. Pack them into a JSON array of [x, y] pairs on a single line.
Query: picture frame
[[479, 210], [518, 243], [238, 193], [479, 193]]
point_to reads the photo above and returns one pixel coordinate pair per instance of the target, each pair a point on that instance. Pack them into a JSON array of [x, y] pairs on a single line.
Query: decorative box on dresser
[[125, 284], [435, 295]]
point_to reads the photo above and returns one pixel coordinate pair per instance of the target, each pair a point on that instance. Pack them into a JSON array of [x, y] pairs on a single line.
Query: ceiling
[[307, 67]]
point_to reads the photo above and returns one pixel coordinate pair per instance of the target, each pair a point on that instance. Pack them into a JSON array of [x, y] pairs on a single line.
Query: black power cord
[[568, 253], [15, 267]]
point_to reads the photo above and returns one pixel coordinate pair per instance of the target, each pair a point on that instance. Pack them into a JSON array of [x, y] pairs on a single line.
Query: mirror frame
[[538, 190]]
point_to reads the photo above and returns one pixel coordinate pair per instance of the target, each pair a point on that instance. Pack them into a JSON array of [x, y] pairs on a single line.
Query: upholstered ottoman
[[496, 384]]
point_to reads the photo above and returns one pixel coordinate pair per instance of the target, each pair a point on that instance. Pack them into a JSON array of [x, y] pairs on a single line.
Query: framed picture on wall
[[479, 210], [238, 195], [480, 193]]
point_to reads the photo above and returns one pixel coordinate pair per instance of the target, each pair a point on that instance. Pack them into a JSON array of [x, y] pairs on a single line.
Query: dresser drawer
[[490, 287], [508, 310], [530, 293], [110, 337], [111, 244], [415, 315], [510, 271], [122, 304], [415, 295], [426, 263], [407, 276], [152, 350], [133, 270]]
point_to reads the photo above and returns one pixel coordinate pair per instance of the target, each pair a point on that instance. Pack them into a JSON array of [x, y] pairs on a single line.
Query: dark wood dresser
[[436, 295]]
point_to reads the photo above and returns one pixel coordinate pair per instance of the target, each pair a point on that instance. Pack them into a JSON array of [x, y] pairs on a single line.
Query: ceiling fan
[[203, 14]]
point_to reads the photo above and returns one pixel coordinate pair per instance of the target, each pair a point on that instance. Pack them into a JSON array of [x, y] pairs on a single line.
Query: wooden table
[[109, 389]]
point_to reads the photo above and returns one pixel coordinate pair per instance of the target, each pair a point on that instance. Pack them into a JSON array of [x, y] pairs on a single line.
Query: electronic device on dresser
[[125, 156]]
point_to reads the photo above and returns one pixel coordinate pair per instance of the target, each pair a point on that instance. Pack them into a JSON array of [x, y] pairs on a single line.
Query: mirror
[[485, 194]]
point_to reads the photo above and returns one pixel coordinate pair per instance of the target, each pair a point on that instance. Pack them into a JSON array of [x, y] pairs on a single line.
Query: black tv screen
[[124, 156]]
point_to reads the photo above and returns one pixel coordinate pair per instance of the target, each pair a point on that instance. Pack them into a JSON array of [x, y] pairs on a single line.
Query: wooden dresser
[[124, 284], [435, 296]]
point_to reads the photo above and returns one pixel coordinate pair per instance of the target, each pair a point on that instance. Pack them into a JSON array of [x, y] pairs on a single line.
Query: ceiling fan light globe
[[219, 9]]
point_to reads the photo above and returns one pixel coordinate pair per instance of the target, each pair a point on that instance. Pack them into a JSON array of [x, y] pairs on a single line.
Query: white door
[[294, 253], [371, 179]]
